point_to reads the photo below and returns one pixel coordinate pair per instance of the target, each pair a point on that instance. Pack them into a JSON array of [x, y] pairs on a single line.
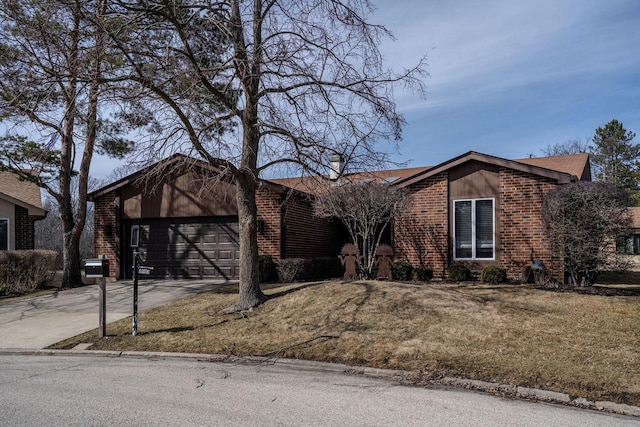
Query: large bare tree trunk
[[250, 294]]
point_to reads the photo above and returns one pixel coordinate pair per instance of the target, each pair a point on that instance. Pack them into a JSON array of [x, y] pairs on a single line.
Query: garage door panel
[[192, 248]]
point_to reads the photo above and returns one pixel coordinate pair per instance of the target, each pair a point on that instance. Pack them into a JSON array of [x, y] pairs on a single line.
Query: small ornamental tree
[[584, 220], [366, 209]]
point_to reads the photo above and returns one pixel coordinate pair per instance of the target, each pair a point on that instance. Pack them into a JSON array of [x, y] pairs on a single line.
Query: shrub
[[291, 269], [22, 272], [401, 270], [267, 269], [527, 275], [423, 274], [297, 269], [459, 272], [493, 274]]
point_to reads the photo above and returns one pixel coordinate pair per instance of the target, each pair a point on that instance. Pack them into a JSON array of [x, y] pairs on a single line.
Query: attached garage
[[186, 248], [187, 217]]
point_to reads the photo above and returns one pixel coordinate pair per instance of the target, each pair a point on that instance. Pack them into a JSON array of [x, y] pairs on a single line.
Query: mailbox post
[[98, 268]]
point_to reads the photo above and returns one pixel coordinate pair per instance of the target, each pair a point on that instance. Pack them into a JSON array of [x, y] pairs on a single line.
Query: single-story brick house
[[20, 207], [475, 208]]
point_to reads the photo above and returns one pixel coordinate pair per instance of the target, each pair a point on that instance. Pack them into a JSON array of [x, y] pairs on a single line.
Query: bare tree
[[366, 209], [572, 146], [584, 220], [253, 85]]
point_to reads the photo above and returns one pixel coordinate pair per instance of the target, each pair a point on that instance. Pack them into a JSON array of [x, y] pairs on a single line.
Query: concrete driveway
[[40, 322]]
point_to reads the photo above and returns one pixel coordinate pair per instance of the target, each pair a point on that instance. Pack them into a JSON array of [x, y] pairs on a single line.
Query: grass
[[584, 345]]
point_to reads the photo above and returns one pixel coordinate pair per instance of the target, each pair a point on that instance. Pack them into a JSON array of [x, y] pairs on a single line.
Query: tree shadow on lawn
[[294, 288]]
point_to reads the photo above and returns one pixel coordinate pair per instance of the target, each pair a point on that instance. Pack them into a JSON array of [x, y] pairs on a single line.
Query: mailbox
[[96, 267]]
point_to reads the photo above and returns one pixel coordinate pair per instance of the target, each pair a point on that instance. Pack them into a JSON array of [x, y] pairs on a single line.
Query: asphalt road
[[107, 391]]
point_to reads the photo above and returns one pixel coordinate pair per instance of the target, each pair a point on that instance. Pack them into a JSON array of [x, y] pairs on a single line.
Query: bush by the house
[[493, 274], [423, 274], [300, 269], [527, 275], [267, 269], [459, 272], [22, 272], [401, 270]]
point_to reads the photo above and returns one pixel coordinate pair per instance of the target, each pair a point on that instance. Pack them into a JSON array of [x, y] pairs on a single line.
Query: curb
[[396, 375]]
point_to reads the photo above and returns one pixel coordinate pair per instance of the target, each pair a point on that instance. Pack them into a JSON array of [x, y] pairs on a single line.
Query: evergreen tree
[[615, 156]]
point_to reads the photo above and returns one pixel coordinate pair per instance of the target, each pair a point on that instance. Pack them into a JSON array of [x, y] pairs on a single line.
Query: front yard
[[585, 345]]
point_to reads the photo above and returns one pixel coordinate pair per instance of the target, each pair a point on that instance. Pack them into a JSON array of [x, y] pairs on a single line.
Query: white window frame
[[473, 229], [8, 222]]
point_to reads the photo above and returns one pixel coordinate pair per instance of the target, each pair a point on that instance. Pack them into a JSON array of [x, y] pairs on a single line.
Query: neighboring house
[[20, 207], [475, 208], [633, 243]]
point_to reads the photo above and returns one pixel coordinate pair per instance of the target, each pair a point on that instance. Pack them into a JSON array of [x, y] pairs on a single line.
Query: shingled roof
[[573, 164], [22, 193], [561, 167]]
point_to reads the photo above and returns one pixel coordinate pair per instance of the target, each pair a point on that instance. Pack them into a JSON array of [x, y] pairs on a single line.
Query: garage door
[[198, 248]]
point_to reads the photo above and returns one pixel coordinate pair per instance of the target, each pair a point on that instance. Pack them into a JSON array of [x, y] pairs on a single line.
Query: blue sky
[[509, 77]]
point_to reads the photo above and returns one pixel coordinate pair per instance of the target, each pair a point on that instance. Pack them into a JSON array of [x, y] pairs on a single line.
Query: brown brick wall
[[421, 235], [521, 230], [306, 235], [106, 232], [269, 239], [24, 238]]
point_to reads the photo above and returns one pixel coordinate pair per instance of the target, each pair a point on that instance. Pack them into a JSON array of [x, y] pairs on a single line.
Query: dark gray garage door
[[186, 247]]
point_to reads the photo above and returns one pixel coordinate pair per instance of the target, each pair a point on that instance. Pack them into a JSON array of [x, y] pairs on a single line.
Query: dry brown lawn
[[584, 345]]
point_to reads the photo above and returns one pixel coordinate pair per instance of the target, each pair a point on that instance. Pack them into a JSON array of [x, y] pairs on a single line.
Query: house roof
[[173, 164], [574, 164], [22, 193], [310, 184], [563, 168]]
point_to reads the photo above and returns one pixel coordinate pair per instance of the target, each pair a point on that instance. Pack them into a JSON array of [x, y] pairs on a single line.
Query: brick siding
[[269, 239], [421, 235], [521, 231], [304, 234], [24, 238], [106, 231]]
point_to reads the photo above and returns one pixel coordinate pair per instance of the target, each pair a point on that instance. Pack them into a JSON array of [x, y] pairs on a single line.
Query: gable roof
[[172, 164], [574, 164], [562, 168], [562, 176], [21, 193]]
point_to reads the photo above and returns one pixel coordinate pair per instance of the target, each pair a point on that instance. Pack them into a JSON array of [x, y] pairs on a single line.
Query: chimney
[[336, 166]]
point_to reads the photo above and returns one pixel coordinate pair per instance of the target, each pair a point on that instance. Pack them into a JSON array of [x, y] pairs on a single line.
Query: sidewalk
[[40, 322]]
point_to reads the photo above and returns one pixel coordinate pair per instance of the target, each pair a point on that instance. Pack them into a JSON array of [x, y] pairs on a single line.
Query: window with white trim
[[474, 229], [4, 234]]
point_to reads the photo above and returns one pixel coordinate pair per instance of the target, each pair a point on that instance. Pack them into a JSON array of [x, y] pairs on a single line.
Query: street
[[81, 390]]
